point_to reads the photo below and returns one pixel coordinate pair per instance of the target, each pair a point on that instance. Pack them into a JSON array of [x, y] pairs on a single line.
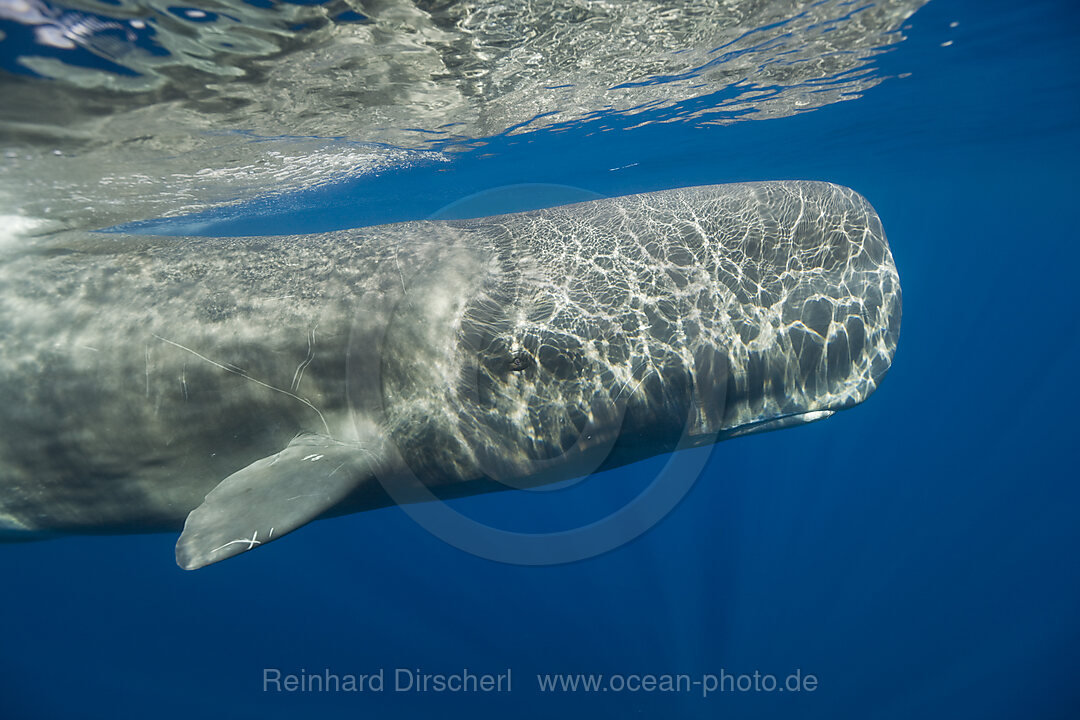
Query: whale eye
[[520, 362]]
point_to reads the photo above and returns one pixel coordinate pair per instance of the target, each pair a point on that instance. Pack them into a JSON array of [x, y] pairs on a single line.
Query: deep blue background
[[917, 554]]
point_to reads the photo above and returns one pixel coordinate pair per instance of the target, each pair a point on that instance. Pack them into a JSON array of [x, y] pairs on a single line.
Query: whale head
[[591, 335]]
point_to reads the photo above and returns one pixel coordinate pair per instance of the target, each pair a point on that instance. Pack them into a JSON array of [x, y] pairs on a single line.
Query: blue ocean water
[[916, 555]]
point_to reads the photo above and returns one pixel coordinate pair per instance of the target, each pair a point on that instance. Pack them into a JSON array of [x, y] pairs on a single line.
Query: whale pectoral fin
[[272, 497]]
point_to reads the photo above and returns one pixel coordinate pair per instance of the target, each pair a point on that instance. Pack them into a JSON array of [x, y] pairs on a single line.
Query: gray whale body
[[240, 388]]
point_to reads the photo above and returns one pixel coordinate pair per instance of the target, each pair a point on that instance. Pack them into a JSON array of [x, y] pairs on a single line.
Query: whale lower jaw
[[12, 530], [778, 423]]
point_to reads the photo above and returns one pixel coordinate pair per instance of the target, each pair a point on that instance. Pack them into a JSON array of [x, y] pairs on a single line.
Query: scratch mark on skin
[[236, 372], [336, 469], [631, 378], [632, 391], [299, 374], [297, 497], [252, 542], [89, 347], [271, 535], [147, 354], [400, 275], [183, 381]]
